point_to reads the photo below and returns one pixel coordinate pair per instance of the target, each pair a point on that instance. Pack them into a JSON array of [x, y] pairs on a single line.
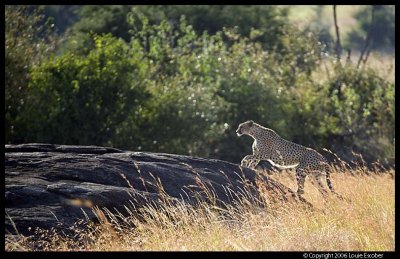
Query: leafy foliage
[[64, 16], [83, 98], [27, 41], [364, 107], [176, 88], [269, 19], [103, 19]]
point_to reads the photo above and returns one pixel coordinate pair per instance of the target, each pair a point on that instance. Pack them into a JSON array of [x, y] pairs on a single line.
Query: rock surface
[[46, 184]]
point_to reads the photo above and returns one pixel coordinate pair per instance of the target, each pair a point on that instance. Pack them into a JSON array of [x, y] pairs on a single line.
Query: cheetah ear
[[251, 123]]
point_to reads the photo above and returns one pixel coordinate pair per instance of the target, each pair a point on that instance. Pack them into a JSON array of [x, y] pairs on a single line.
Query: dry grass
[[366, 223]]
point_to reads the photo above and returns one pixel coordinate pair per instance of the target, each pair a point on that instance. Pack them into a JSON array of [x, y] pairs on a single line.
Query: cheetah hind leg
[[328, 181], [300, 177], [316, 180]]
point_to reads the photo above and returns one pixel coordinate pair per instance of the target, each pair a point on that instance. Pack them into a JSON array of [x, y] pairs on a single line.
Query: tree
[[270, 20], [103, 19], [84, 98], [28, 39], [383, 36], [64, 16]]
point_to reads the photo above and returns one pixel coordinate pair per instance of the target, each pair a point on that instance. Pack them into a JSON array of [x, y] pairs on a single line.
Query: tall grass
[[366, 222]]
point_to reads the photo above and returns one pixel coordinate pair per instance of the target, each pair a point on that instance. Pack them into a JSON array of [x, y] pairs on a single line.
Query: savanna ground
[[366, 223]]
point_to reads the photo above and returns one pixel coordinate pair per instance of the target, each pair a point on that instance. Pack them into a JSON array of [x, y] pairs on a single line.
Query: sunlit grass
[[382, 63], [365, 223]]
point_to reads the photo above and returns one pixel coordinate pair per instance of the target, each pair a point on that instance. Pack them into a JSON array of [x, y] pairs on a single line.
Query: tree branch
[[338, 44], [368, 39]]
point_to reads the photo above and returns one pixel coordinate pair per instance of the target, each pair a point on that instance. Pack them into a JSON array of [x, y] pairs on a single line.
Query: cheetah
[[268, 145]]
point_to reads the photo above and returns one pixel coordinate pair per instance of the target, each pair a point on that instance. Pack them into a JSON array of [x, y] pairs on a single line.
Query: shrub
[[82, 99], [171, 89]]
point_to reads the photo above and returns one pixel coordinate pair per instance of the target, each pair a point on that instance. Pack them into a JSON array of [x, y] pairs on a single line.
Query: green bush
[[82, 99], [271, 20], [172, 89], [363, 104], [28, 38]]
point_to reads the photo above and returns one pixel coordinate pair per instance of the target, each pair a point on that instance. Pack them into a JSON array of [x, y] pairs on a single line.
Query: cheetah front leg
[[249, 161], [246, 160]]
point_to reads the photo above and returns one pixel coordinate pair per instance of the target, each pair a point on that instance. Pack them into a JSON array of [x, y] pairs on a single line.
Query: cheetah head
[[244, 128]]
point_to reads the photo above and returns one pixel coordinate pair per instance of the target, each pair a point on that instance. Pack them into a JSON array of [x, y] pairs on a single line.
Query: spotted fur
[[268, 145]]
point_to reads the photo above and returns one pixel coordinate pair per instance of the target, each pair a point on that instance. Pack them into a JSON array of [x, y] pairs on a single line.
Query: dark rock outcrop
[[46, 184]]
